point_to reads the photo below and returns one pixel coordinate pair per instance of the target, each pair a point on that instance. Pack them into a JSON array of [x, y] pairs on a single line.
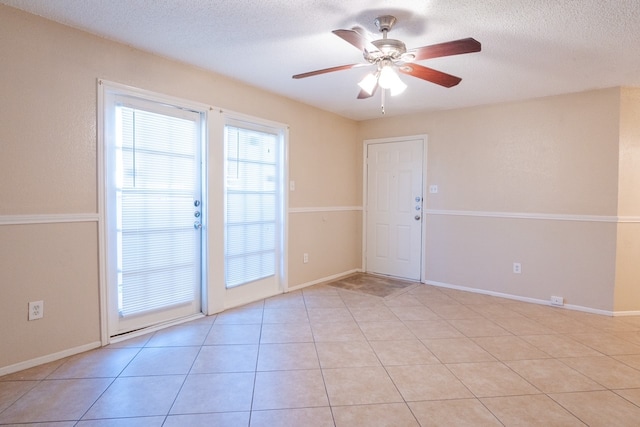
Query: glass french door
[[154, 211], [253, 211]]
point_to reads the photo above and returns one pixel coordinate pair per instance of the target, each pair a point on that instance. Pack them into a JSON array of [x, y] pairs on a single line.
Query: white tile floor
[[329, 357]]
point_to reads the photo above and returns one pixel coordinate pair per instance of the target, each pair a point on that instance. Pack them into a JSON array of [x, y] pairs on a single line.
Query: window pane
[[158, 250], [251, 205]]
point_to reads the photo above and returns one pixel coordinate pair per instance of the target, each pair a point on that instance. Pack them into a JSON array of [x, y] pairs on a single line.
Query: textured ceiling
[[530, 48]]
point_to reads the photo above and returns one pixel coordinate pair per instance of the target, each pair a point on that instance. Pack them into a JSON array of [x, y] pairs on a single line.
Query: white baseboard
[[626, 313], [91, 346], [48, 358], [587, 309], [529, 300], [324, 279], [80, 349]]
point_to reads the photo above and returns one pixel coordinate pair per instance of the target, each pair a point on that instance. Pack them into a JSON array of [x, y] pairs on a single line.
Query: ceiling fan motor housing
[[391, 49]]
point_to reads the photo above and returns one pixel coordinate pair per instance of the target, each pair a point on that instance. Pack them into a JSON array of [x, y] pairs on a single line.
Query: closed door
[[394, 208], [154, 211]]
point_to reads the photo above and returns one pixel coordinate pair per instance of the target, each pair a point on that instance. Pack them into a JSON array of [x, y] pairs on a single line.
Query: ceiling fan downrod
[[385, 23]]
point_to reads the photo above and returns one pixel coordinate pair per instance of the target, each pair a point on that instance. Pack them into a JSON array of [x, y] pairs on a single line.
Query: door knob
[[417, 217], [197, 225]]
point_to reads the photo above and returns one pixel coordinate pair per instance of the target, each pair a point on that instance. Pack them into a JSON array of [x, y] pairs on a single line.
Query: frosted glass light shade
[[389, 79], [368, 83]]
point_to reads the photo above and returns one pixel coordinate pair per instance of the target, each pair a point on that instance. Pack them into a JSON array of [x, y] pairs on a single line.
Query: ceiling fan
[[391, 56]]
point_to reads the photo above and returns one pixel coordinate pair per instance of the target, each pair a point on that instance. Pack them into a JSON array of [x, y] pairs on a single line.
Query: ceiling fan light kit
[[389, 79], [391, 56], [369, 83], [386, 77]]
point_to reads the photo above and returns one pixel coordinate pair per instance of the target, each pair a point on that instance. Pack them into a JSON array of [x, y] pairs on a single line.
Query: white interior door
[[394, 208]]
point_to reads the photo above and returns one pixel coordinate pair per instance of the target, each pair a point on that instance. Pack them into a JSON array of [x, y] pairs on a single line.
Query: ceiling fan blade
[[455, 47], [327, 70], [364, 94], [356, 39], [430, 75]]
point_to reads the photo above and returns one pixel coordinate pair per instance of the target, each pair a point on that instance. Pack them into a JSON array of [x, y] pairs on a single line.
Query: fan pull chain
[[382, 92]]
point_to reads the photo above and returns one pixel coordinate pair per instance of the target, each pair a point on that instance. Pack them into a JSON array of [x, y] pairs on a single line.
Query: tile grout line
[[255, 372], [166, 416], [315, 346]]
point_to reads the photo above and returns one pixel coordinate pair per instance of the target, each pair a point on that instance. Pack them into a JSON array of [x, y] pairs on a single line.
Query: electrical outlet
[[305, 258], [36, 310], [517, 268], [433, 189], [557, 300]]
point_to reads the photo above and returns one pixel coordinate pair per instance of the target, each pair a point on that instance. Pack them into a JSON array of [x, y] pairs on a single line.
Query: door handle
[[417, 217], [197, 225]]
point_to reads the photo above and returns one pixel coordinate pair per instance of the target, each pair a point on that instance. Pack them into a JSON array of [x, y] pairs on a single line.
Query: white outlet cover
[[36, 310], [433, 189]]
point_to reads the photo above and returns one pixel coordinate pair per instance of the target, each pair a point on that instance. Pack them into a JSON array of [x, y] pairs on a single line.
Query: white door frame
[[106, 85], [218, 299], [366, 143]]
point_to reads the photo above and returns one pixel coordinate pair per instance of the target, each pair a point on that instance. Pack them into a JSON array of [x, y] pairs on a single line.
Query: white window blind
[[156, 174], [251, 210]]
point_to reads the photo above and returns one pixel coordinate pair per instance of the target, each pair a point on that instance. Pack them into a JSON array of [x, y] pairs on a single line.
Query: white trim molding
[[536, 216], [324, 279], [48, 358], [626, 313], [48, 218], [629, 219], [326, 209], [522, 299]]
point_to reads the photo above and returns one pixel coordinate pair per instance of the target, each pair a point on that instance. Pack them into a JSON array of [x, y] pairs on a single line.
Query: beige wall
[[534, 182], [56, 263], [555, 155], [48, 167], [321, 235]]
